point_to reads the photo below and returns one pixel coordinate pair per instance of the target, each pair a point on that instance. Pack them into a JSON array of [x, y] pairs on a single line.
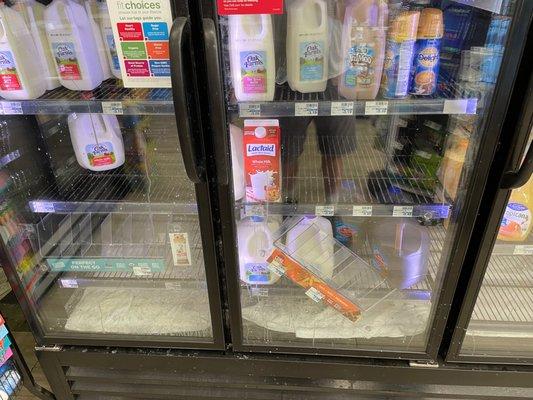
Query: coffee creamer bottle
[[252, 58], [21, 75], [73, 45], [33, 13], [363, 47], [307, 45], [517, 222], [425, 70]]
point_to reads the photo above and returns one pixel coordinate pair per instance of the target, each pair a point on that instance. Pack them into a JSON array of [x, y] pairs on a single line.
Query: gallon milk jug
[[237, 162], [73, 45], [95, 18], [109, 40], [256, 243], [97, 141], [311, 242], [517, 224], [33, 13], [252, 58], [21, 75], [307, 45], [363, 48]]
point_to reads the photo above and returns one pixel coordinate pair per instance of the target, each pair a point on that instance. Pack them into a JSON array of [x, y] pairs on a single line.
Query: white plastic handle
[[323, 12], [98, 122]]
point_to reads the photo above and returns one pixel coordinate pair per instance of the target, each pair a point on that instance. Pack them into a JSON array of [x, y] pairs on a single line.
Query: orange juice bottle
[[516, 224]]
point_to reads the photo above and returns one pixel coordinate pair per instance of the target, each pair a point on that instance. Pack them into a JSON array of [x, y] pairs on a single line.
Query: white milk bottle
[[256, 242], [21, 75], [73, 45], [95, 18], [109, 40], [252, 59], [363, 48], [97, 141], [307, 45], [311, 241], [33, 13]]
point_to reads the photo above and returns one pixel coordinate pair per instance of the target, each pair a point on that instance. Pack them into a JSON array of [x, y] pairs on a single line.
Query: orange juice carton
[[262, 161]]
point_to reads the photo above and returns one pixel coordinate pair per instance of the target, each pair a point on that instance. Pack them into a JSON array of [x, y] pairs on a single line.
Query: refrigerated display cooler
[[312, 200]]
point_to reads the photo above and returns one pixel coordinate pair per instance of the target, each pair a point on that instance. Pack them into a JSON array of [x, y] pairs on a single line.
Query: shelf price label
[[255, 210], [247, 110], [325, 211], [455, 106], [376, 107], [523, 250], [69, 283], [276, 268], [402, 211], [362, 211], [42, 207], [342, 108], [142, 271], [314, 295], [11, 108], [112, 107], [306, 109]]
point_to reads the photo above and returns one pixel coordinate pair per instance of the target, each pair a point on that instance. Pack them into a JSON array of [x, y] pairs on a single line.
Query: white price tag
[[259, 291], [402, 211], [523, 249], [69, 283], [325, 211], [112, 107], [249, 110], [42, 207], [11, 108], [172, 285], [455, 106], [362, 211], [342, 108], [142, 271], [306, 109], [376, 107], [276, 268], [255, 210], [314, 294]]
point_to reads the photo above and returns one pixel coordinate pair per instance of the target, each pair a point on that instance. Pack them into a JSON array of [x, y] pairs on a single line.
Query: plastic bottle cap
[[260, 132], [405, 26], [431, 25]]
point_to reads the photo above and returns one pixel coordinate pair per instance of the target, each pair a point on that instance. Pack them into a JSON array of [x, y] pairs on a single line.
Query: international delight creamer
[[262, 166]]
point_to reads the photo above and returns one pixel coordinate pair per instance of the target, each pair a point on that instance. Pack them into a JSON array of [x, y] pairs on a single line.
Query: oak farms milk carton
[[262, 165]]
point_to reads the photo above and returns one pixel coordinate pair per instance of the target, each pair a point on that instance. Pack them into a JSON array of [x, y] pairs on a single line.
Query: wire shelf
[[111, 192], [64, 101]]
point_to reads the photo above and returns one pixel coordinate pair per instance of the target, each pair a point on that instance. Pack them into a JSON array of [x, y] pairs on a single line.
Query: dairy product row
[[403, 61], [65, 43]]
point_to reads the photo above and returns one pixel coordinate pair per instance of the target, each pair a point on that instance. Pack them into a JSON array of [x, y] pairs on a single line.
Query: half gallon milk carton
[[109, 40], [307, 45], [33, 13], [252, 59], [73, 45], [95, 18], [21, 75], [262, 166]]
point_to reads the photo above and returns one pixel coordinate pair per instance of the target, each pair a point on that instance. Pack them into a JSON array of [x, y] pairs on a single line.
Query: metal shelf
[[108, 98], [113, 193], [288, 103], [489, 5], [368, 173]]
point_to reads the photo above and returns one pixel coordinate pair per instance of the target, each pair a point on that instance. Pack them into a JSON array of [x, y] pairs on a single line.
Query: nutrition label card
[[141, 30]]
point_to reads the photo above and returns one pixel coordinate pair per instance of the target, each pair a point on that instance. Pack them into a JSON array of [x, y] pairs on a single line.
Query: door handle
[[216, 101], [516, 179], [185, 101]]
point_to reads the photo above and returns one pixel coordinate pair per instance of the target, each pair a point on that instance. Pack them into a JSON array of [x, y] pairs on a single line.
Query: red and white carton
[[262, 160]]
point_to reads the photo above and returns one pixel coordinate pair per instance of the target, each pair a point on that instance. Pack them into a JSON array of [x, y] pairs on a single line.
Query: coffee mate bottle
[[307, 45], [425, 70], [252, 59], [363, 47]]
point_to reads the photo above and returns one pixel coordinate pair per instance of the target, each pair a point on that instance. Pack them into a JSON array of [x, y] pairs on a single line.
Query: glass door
[[106, 220], [355, 128]]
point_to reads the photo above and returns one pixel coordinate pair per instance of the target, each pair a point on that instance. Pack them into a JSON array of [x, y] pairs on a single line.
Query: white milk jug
[[311, 241], [252, 57], [21, 74], [95, 18], [33, 13], [256, 243], [237, 162], [73, 45], [307, 45], [109, 40], [97, 141]]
